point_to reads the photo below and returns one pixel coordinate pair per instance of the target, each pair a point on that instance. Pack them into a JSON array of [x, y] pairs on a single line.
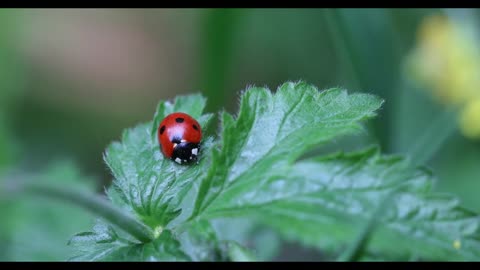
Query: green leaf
[[257, 171], [249, 232], [345, 189], [324, 201], [105, 244], [200, 242], [151, 186], [271, 132]]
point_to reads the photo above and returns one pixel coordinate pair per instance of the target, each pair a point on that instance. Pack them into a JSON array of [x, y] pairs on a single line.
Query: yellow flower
[[447, 61], [470, 119]]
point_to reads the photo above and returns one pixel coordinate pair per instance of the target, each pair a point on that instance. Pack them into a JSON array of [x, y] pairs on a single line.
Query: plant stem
[[217, 45], [96, 205], [237, 253], [338, 36]]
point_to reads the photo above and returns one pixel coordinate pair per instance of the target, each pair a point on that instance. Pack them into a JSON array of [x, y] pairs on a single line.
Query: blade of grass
[[339, 39], [217, 40]]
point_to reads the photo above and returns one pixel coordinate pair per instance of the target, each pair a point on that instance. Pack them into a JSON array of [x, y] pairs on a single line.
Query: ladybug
[[179, 136]]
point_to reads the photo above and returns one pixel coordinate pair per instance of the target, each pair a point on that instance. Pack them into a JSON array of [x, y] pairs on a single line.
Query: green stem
[[96, 205], [217, 44], [237, 253], [339, 37], [434, 137]]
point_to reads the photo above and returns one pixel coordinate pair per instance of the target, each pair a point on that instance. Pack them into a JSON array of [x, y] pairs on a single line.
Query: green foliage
[[270, 133], [347, 188], [256, 170], [109, 246], [151, 186]]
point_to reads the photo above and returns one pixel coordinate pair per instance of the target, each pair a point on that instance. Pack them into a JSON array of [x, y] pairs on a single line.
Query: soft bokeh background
[[72, 80]]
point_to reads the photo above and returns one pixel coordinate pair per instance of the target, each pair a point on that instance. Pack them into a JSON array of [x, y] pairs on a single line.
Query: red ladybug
[[179, 136]]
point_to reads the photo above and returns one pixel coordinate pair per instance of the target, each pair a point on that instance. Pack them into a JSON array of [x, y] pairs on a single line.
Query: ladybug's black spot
[[179, 120], [195, 127], [162, 129]]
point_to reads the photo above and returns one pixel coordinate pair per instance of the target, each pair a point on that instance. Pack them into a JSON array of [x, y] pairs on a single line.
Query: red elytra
[[179, 136]]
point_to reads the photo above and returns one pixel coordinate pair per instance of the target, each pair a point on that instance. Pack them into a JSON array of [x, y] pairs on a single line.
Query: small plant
[[256, 166]]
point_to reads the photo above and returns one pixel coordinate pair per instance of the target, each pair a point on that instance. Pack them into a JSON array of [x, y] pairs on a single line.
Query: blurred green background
[[72, 80]]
